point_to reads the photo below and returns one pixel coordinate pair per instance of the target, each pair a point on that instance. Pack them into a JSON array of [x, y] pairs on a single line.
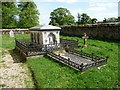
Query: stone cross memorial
[[11, 33], [85, 37]]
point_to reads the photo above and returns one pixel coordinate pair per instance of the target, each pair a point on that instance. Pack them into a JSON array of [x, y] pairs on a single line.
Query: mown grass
[[9, 42], [52, 74]]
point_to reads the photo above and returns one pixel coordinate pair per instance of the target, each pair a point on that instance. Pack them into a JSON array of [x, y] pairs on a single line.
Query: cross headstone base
[[85, 46]]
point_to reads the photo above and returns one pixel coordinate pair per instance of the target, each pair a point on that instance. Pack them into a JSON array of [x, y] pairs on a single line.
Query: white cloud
[[96, 9], [103, 4], [99, 11], [66, 1], [74, 12], [72, 1]]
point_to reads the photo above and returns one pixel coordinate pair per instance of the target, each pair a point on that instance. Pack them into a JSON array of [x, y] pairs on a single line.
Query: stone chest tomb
[[45, 34]]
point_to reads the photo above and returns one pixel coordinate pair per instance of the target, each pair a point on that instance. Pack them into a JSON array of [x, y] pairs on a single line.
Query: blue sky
[[99, 9]]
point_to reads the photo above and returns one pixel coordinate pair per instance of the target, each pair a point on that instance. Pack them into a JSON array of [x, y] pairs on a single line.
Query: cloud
[[96, 9], [72, 1], [65, 1], [103, 5], [74, 11]]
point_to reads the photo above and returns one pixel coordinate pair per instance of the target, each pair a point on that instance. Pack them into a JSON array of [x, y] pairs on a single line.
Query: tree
[[9, 12], [61, 16], [28, 14], [118, 19], [93, 20], [105, 20], [112, 19], [79, 19], [85, 19]]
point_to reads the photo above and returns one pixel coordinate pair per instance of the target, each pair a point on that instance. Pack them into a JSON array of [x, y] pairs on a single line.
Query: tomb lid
[[45, 27]]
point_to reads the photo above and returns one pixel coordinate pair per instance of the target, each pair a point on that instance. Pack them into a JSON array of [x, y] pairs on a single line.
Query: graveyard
[[47, 44], [59, 75], [44, 41]]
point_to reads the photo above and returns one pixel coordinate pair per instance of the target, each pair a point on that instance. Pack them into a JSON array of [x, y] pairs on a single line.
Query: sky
[[99, 9]]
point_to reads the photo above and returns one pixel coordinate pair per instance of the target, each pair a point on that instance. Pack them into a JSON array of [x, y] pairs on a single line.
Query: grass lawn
[[48, 73], [9, 42]]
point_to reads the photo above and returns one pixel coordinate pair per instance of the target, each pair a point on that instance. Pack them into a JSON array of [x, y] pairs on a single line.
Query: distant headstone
[[11, 33], [22, 32], [85, 37]]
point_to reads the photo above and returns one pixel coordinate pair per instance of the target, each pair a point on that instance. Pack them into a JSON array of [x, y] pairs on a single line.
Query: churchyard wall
[[17, 31], [95, 31]]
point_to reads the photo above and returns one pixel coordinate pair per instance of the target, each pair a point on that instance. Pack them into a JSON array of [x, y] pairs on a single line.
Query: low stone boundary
[[16, 31], [95, 31]]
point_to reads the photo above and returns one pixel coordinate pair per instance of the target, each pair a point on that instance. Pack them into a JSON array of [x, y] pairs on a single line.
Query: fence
[[65, 61], [31, 49], [86, 55], [80, 67]]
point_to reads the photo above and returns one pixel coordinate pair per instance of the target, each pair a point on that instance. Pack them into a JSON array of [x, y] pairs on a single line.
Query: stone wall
[[96, 31], [17, 31]]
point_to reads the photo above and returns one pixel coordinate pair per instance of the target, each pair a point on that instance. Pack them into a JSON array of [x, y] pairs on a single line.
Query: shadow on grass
[[112, 40], [16, 56]]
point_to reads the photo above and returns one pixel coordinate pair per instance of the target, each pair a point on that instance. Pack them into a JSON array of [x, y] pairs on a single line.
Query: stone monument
[[45, 34], [85, 37], [11, 33]]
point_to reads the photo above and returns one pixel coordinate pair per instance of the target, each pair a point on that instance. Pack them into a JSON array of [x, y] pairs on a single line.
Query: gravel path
[[14, 75]]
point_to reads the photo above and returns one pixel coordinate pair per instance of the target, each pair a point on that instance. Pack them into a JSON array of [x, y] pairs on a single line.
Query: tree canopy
[[94, 20], [28, 14], [79, 19], [61, 16], [9, 12], [85, 19], [19, 14], [112, 19]]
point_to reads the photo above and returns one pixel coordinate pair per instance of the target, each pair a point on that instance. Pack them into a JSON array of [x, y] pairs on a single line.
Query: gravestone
[[85, 37], [11, 33]]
